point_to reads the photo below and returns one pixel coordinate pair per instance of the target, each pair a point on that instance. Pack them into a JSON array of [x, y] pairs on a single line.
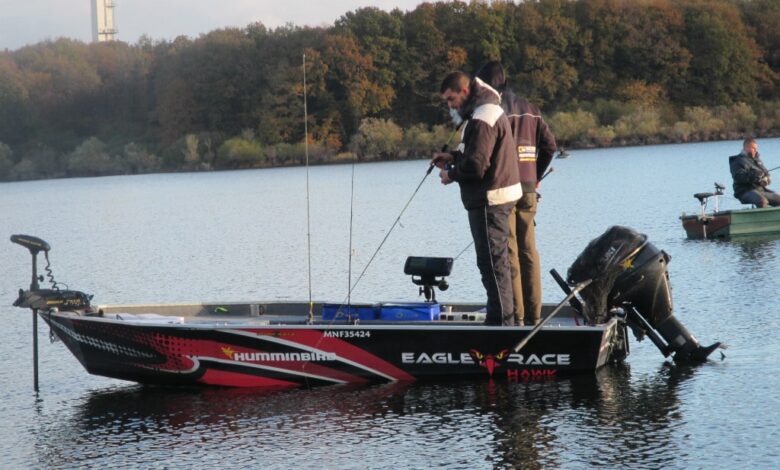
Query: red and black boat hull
[[294, 355]]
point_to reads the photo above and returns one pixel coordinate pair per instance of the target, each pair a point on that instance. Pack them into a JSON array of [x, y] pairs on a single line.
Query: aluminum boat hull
[[731, 224], [250, 347]]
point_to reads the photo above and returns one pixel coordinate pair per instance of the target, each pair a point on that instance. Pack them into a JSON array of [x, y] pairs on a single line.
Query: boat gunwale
[[259, 322]]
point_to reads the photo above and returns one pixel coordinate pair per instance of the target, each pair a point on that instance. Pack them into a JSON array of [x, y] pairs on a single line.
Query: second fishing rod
[[444, 148], [538, 196]]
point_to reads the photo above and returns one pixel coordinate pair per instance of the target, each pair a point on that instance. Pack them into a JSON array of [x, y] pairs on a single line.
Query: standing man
[[535, 144], [484, 167], [751, 177]]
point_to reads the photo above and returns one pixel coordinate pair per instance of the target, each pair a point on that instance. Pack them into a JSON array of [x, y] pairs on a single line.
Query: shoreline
[[723, 137]]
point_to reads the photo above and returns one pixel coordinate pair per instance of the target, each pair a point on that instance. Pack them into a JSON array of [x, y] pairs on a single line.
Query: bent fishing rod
[[397, 220]]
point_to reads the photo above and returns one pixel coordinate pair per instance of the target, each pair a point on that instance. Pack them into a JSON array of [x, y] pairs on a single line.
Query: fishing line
[[395, 223], [351, 212], [472, 242]]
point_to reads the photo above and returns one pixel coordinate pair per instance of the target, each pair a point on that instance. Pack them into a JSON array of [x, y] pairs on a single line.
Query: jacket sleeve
[[546, 147], [480, 139], [744, 173]]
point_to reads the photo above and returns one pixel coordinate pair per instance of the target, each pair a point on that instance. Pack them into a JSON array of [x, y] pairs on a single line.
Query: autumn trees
[[604, 71]]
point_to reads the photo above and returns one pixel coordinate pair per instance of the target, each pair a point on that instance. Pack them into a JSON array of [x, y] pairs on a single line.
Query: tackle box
[[351, 312], [414, 311]]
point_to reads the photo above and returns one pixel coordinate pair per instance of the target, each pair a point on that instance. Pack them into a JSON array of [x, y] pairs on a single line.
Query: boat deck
[[234, 315]]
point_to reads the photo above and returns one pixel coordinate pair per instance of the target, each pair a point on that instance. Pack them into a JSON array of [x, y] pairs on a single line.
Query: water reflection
[[454, 424], [756, 249]]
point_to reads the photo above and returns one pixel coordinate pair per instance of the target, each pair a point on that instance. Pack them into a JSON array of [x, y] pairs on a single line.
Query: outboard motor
[[630, 273]]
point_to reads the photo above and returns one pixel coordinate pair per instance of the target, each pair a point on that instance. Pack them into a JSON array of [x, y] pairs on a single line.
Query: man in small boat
[[484, 166], [751, 178], [535, 144]]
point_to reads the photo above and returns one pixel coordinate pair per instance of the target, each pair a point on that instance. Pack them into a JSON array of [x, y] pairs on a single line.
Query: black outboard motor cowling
[[631, 273]]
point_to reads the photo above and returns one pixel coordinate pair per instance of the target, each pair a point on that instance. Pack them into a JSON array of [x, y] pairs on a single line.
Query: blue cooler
[[415, 311], [353, 311]]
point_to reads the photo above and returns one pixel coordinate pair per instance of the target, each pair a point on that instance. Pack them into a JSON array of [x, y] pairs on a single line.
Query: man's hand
[[442, 159], [445, 177]]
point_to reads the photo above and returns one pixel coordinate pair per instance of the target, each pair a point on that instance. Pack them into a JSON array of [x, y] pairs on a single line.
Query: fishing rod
[[773, 169], [397, 220], [308, 210], [351, 212], [539, 326], [550, 170]]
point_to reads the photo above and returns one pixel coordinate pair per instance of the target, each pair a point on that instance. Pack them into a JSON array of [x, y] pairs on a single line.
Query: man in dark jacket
[[484, 167], [751, 177], [535, 145]]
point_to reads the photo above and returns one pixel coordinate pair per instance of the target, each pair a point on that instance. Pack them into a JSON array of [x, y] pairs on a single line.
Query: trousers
[[490, 230], [760, 197], [524, 262]]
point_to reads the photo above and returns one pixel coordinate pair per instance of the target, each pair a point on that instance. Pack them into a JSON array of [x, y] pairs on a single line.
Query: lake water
[[233, 236]]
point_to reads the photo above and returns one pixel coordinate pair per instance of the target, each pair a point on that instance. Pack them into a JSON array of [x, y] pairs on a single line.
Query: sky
[[24, 22]]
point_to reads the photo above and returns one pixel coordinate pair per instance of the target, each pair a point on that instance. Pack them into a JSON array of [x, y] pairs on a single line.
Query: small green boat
[[729, 224]]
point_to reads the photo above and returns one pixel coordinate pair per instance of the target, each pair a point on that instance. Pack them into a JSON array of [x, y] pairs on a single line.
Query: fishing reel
[[427, 270]]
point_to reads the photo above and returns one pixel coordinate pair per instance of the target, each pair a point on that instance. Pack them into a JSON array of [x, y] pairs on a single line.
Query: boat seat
[[702, 196]]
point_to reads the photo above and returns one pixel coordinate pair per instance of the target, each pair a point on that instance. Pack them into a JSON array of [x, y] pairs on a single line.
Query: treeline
[[604, 72]]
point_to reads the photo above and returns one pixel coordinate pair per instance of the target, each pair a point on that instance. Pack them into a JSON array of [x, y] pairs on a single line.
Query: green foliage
[[609, 111], [738, 117], [602, 136], [6, 161], [724, 65], [607, 72], [703, 120], [377, 139], [643, 122], [295, 154], [239, 152], [420, 141], [570, 126], [137, 159], [682, 130], [92, 158]]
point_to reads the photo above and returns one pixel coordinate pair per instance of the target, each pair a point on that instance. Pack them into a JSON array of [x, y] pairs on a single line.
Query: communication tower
[[103, 26]]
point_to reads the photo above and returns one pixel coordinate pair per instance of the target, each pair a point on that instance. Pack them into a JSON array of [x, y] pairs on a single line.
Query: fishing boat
[[301, 344], [729, 224]]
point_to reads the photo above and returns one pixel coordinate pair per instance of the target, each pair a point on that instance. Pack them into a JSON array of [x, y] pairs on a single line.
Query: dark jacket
[[747, 173], [533, 137], [485, 162]]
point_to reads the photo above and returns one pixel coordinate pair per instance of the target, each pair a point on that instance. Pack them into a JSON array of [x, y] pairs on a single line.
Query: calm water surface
[[243, 236]]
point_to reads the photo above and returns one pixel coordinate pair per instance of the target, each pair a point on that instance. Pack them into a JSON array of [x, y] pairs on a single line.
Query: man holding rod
[[751, 178], [485, 167]]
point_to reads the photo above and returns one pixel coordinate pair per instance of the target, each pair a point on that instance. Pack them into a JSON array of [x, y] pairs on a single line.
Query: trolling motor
[[44, 299], [703, 198], [630, 274], [428, 269]]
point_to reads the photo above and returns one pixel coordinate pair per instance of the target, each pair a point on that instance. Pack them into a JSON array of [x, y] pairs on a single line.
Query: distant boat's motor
[[629, 272]]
